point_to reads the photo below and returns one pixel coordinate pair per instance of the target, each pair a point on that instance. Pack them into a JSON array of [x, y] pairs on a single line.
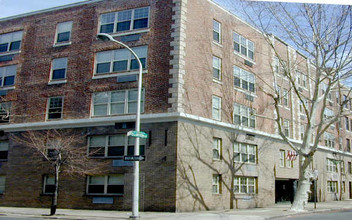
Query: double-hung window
[[243, 46], [216, 184], [216, 32], [2, 184], [329, 140], [7, 75], [216, 68], [121, 60], [63, 32], [286, 127], [285, 97], [332, 186], [109, 184], [244, 79], [245, 153], [217, 142], [245, 185], [59, 69], [331, 165], [244, 116], [10, 42], [216, 108], [4, 148], [5, 112], [126, 20], [55, 108], [48, 184], [113, 145], [116, 102]]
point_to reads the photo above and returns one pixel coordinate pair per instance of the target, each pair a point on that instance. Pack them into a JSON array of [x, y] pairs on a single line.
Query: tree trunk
[[231, 192], [55, 196], [301, 196]]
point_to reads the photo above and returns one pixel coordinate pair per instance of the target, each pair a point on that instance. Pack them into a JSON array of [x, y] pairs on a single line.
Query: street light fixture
[[135, 201]]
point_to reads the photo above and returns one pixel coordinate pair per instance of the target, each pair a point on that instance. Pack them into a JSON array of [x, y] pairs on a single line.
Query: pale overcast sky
[[15, 7]]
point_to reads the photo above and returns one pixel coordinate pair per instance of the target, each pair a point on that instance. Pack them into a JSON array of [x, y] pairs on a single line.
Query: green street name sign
[[139, 134]]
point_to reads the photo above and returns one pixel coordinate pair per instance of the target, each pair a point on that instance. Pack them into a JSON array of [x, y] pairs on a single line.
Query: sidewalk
[[275, 211]]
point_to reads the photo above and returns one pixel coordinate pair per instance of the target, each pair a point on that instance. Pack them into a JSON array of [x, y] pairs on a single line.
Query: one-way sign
[[134, 158]]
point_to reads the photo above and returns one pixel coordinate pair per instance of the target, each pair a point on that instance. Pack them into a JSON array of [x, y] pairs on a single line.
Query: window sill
[[244, 57], [217, 43], [8, 88], [217, 81], [118, 34], [106, 116], [54, 119], [53, 82], [103, 195], [110, 75], [62, 44], [10, 53], [246, 92]]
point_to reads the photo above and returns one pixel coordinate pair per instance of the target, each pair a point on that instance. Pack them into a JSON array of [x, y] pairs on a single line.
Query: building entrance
[[350, 190], [285, 190]]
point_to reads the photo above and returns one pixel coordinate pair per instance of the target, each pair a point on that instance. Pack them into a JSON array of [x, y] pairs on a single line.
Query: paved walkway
[[275, 211]]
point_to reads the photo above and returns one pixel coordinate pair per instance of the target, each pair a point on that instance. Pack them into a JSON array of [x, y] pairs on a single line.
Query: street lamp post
[[135, 201]]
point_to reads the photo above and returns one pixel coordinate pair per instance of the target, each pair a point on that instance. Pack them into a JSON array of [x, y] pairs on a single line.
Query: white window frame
[[217, 67], [285, 97], [53, 68], [216, 108], [69, 29], [116, 20], [217, 31], [217, 145], [243, 44], [61, 108], [331, 166], [243, 79], [332, 186], [282, 158], [329, 140], [141, 51], [106, 180], [45, 181], [243, 152], [109, 102], [2, 184], [243, 112], [8, 71], [243, 185], [127, 142], [9, 38], [286, 127], [216, 183]]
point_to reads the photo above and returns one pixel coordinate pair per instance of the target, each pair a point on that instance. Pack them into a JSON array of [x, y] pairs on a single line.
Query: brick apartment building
[[200, 87]]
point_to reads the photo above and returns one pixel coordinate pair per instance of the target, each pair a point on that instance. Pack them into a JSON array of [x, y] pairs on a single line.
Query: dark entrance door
[[350, 190], [284, 190]]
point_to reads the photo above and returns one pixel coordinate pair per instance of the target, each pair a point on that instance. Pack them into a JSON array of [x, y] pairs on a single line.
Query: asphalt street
[[341, 215]]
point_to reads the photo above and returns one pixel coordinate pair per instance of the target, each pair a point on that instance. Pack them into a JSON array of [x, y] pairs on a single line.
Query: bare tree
[[322, 34], [62, 150]]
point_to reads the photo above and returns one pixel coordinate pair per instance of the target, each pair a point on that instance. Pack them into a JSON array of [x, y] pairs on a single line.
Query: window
[[216, 184], [328, 113], [121, 60], [116, 102], [10, 41], [245, 153], [4, 148], [2, 184], [347, 123], [279, 66], [63, 31], [332, 186], [285, 97], [345, 101], [245, 185], [216, 109], [331, 165], [216, 68], [244, 116], [217, 148], [110, 185], [113, 145], [5, 112], [282, 158], [348, 145], [49, 185], [302, 129], [59, 68], [244, 79], [243, 46], [216, 32], [302, 104], [278, 92], [7, 75], [126, 20], [55, 106], [301, 79], [342, 166], [349, 168], [286, 127], [343, 187], [329, 140]]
